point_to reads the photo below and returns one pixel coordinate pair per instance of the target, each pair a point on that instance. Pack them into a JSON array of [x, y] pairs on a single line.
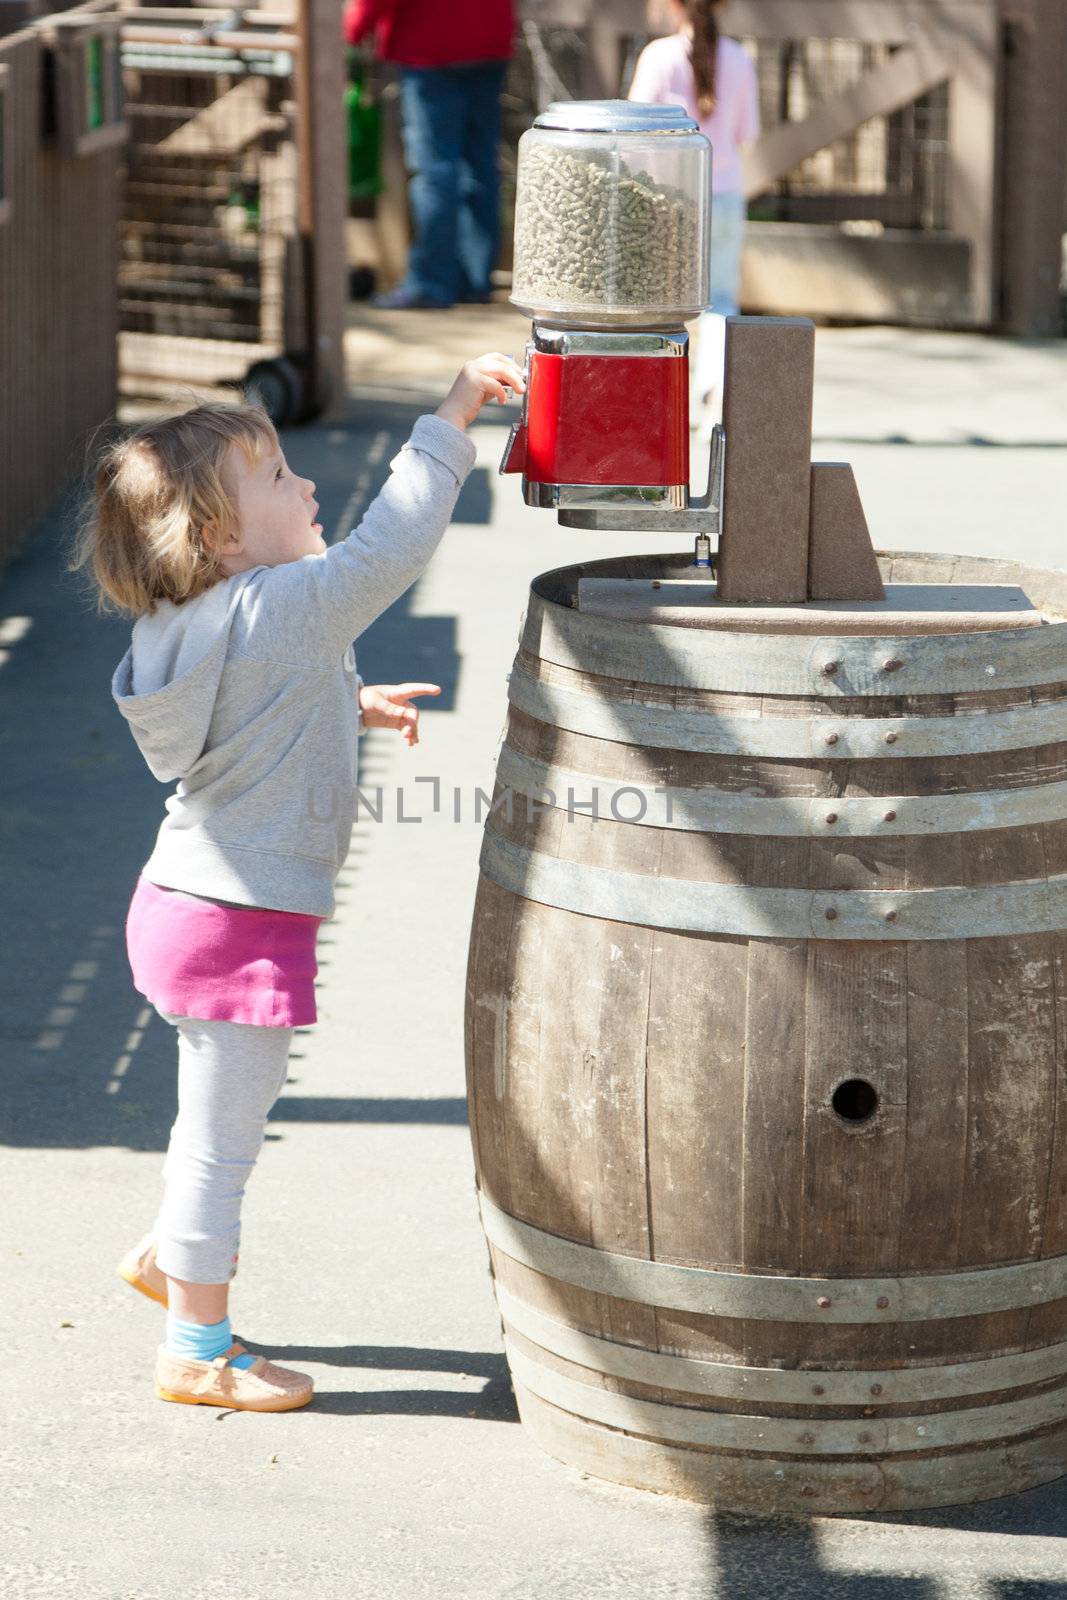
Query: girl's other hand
[[388, 705], [487, 378]]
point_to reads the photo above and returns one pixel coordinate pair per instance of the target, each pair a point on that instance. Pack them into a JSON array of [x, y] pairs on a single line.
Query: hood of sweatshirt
[[167, 682]]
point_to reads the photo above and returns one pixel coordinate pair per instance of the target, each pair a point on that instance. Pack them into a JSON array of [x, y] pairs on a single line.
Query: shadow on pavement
[[449, 1111], [751, 1558], [493, 1403], [1027, 1589], [1040, 1512]]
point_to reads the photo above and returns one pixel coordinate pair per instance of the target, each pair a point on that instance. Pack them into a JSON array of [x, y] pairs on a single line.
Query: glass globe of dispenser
[[612, 216]]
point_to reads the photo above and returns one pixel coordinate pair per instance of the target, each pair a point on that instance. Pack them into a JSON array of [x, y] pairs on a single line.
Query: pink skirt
[[193, 958]]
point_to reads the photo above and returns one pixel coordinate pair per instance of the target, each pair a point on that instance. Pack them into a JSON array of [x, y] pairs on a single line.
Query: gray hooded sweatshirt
[[248, 695]]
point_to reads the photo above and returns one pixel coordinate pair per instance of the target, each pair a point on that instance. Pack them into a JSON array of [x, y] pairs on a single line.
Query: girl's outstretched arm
[[310, 610]]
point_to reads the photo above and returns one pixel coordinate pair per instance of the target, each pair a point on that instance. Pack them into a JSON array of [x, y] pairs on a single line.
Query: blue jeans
[[728, 213], [451, 121]]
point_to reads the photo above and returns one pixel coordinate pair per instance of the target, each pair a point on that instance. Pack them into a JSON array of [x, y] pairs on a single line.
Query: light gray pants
[[229, 1076]]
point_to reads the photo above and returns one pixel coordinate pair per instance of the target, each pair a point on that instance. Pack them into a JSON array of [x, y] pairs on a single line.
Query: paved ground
[[362, 1257]]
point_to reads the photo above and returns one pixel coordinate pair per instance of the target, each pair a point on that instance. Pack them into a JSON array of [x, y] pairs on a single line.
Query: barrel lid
[[616, 116]]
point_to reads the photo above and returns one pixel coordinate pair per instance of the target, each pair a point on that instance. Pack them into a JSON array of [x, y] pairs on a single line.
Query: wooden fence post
[[1034, 175], [972, 162], [323, 194]]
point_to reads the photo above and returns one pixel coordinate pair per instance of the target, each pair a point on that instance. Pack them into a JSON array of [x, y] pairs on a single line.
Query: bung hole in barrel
[[855, 1100]]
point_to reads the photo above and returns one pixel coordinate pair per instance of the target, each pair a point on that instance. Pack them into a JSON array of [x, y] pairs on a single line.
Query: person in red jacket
[[452, 60]]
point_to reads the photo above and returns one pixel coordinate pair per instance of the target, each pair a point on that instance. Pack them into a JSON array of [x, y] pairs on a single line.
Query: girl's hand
[[489, 377], [387, 705]]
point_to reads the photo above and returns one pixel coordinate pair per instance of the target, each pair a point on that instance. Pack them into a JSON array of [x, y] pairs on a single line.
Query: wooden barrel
[[767, 1059]]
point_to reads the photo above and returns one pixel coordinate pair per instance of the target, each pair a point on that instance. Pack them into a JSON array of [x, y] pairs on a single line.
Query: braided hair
[[702, 16]]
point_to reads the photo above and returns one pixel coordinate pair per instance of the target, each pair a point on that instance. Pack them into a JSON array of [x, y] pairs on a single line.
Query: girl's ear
[[219, 543]]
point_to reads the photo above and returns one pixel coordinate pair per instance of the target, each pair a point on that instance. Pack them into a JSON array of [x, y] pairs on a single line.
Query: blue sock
[[201, 1341]]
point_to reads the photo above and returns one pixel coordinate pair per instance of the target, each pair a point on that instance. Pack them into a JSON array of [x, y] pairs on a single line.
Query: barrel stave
[[1048, 1324], [853, 1192], [935, 1192], [1011, 1066], [490, 1023], [695, 1098]]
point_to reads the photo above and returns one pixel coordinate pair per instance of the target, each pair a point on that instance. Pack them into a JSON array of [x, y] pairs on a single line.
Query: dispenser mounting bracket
[[702, 515]]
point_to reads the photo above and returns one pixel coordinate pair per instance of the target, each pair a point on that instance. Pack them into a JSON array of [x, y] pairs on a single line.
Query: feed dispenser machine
[[612, 222], [611, 251]]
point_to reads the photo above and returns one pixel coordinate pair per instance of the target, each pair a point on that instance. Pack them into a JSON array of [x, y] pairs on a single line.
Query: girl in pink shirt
[[715, 80]]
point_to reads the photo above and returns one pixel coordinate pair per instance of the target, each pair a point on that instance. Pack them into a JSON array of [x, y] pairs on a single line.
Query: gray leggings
[[229, 1076]]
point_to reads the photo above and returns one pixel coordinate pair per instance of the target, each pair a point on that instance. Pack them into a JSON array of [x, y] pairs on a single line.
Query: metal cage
[[221, 259]]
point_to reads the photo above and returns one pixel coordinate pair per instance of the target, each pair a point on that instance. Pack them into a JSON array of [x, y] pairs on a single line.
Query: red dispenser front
[[605, 420]]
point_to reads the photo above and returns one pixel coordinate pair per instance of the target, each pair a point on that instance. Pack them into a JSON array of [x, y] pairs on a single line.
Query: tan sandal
[[260, 1387], [138, 1269]]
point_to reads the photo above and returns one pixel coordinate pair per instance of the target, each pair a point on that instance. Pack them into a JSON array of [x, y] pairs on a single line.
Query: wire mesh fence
[[207, 200], [212, 273], [892, 171]]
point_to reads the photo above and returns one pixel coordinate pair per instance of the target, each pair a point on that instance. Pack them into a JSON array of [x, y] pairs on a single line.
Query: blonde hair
[[153, 493]]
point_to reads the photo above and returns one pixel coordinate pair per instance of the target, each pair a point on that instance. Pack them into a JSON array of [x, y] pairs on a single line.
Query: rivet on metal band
[[783, 1436], [781, 1386], [722, 811], [684, 905], [791, 664], [660, 727]]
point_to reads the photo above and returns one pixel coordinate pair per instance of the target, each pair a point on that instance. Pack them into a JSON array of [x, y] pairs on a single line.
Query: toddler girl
[[715, 80], [241, 683]]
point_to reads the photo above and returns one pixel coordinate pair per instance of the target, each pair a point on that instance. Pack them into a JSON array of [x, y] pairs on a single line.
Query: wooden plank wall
[[58, 320]]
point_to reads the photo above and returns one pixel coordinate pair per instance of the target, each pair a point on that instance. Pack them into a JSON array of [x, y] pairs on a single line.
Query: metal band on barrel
[[797, 664], [770, 1298], [866, 1436], [777, 1386], [823, 738], [684, 905], [719, 811]]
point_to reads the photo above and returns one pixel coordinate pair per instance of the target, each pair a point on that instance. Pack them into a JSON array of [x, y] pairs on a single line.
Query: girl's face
[[276, 513]]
